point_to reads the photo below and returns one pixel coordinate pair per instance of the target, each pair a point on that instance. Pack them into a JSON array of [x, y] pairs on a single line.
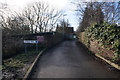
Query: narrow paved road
[[67, 60]]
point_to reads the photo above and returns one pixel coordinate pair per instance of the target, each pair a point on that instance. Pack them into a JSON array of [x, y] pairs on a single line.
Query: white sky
[[18, 5]]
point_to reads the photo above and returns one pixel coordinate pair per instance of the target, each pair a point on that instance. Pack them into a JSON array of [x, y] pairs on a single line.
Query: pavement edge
[[32, 65], [116, 66], [109, 62]]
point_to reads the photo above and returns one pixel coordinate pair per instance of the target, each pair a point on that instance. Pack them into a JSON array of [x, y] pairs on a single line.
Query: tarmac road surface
[[67, 60]]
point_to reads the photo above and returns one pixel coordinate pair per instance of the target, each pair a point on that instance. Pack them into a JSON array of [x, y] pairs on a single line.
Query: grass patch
[[16, 66], [18, 61], [13, 63]]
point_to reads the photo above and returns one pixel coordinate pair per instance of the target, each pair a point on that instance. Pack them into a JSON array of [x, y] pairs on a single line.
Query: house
[[68, 31]]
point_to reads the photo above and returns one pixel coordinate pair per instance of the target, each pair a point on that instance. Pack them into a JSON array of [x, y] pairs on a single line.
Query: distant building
[[68, 31]]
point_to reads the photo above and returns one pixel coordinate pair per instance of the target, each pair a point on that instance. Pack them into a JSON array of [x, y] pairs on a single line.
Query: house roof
[[66, 29]]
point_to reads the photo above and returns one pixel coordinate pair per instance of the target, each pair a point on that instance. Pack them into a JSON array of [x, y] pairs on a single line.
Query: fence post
[[36, 47], [25, 47]]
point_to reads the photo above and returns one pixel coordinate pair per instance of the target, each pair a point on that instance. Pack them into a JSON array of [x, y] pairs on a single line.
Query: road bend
[[67, 60]]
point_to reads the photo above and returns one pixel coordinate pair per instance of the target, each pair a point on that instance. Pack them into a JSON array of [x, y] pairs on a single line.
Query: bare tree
[[97, 12], [38, 17], [29, 17], [89, 14], [42, 17], [111, 11], [54, 17]]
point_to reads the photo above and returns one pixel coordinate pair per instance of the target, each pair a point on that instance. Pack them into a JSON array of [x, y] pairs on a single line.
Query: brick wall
[[97, 48]]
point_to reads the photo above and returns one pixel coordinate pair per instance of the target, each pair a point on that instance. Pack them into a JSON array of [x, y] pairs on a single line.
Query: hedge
[[107, 35]]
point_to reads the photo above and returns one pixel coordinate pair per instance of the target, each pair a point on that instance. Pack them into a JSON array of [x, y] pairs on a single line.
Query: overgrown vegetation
[[13, 67], [91, 12], [34, 18], [107, 34], [98, 27], [19, 60]]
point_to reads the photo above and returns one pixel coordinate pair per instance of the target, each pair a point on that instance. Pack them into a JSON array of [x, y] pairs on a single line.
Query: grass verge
[[16, 67]]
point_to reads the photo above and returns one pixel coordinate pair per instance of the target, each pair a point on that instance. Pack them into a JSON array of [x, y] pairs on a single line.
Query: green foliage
[[107, 34], [92, 13], [13, 63], [86, 39], [18, 61]]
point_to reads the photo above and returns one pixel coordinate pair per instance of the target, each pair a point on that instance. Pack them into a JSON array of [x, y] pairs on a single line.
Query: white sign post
[[31, 42]]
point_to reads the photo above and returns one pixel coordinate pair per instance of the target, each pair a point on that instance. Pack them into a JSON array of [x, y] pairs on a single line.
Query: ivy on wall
[[107, 34]]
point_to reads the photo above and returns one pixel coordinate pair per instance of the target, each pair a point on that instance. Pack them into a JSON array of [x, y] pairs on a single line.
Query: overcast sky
[[18, 5]]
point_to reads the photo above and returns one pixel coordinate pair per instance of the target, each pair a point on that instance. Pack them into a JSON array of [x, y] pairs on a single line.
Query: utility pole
[[63, 27], [67, 22], [63, 24]]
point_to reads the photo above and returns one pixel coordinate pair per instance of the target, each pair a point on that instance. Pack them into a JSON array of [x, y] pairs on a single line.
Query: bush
[[107, 34]]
